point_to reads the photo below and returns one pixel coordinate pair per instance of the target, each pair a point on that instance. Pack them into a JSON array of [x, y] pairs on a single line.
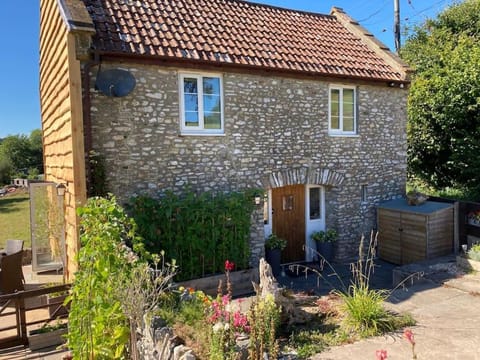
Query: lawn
[[15, 218]]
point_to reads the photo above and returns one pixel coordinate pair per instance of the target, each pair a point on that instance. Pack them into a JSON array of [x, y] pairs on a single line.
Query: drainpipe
[[87, 119]]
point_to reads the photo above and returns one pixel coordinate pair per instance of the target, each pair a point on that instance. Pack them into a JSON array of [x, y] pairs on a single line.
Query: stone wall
[[272, 125]]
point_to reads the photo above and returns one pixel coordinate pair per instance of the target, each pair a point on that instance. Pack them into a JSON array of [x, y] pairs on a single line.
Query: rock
[[268, 283], [188, 356], [291, 312]]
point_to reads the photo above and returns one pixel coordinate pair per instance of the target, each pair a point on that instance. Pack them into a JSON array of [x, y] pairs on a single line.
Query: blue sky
[[19, 60]]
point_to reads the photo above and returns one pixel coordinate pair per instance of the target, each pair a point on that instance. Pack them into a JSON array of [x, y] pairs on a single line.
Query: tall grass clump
[[363, 306]]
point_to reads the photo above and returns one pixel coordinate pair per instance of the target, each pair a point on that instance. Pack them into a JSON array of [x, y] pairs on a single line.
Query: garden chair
[[12, 246], [11, 273]]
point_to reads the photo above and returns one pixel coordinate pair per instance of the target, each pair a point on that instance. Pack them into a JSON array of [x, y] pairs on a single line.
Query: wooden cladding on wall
[[62, 118]]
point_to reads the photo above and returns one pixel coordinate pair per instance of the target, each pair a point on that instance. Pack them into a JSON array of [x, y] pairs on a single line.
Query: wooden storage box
[[408, 234]]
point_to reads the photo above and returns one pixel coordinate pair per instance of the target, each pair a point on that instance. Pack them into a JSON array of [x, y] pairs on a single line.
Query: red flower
[[381, 354], [229, 265], [408, 334]]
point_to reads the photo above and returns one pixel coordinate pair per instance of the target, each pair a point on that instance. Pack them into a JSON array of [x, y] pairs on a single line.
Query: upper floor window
[[342, 113], [201, 105]]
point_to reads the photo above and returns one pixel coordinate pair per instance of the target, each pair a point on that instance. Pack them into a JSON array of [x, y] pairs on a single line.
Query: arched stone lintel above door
[[303, 175]]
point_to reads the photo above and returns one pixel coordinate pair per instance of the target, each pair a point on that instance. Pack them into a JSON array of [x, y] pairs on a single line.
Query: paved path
[[448, 323]]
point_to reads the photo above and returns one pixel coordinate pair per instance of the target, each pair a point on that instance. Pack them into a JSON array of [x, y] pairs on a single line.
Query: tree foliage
[[444, 103], [21, 155]]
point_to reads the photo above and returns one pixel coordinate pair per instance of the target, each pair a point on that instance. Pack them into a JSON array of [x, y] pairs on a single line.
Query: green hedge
[[200, 231]]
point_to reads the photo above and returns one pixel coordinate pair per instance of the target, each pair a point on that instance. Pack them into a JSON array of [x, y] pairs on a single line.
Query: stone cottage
[[225, 95]]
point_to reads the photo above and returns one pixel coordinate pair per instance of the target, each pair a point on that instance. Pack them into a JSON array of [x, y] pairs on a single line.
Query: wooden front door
[[288, 220]]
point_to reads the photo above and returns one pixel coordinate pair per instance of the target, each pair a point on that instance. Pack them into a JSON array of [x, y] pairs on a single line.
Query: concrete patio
[[445, 306]]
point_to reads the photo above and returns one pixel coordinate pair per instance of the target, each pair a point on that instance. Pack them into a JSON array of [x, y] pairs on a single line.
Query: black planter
[[326, 250], [273, 257]]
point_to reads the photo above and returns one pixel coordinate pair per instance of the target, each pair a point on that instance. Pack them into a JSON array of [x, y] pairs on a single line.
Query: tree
[[21, 155], [5, 170], [36, 152], [444, 102]]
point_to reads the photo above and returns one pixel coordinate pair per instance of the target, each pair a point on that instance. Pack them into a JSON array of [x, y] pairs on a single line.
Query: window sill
[[200, 133], [343, 135]]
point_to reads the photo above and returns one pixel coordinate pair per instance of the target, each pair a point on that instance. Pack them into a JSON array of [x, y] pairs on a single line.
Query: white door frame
[[312, 225]]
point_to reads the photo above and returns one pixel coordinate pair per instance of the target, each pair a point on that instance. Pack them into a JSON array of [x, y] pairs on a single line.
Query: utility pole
[[396, 24]]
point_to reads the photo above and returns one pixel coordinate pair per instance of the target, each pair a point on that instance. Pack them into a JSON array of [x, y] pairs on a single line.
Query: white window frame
[[340, 131], [200, 129]]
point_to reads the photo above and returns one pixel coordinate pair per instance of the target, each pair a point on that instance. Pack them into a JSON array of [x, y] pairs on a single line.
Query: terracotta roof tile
[[236, 32]]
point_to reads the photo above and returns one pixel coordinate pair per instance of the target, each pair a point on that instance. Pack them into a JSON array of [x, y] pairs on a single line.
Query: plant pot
[[56, 307], [241, 282], [326, 250], [47, 339], [273, 257]]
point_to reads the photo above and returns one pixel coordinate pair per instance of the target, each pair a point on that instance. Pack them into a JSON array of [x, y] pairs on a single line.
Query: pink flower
[[240, 321], [408, 334], [225, 300], [229, 265], [381, 354]]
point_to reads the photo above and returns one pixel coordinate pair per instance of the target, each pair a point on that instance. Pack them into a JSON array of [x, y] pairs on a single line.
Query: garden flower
[[408, 334], [229, 265], [381, 354], [225, 300], [240, 321], [217, 327]]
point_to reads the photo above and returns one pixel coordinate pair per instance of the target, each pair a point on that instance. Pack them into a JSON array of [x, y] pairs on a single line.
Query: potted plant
[[324, 241], [55, 301], [273, 251], [47, 335], [473, 218]]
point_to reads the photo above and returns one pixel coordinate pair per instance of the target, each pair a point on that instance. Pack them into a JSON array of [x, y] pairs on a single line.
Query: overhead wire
[[434, 5], [374, 13]]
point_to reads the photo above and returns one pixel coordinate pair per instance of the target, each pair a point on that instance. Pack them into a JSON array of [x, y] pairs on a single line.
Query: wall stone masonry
[[276, 133]]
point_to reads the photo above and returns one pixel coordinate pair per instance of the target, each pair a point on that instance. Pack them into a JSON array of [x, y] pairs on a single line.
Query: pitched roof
[[240, 33]]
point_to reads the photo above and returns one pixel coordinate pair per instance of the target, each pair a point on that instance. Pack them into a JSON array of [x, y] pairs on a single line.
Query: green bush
[[200, 231], [474, 252]]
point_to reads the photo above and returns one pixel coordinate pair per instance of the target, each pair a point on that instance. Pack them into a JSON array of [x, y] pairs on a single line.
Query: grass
[[15, 218]]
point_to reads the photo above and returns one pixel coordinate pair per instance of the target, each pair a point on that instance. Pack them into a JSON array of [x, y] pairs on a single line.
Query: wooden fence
[[17, 302]]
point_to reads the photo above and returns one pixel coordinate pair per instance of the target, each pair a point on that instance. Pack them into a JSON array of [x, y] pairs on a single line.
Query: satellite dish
[[115, 82]]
